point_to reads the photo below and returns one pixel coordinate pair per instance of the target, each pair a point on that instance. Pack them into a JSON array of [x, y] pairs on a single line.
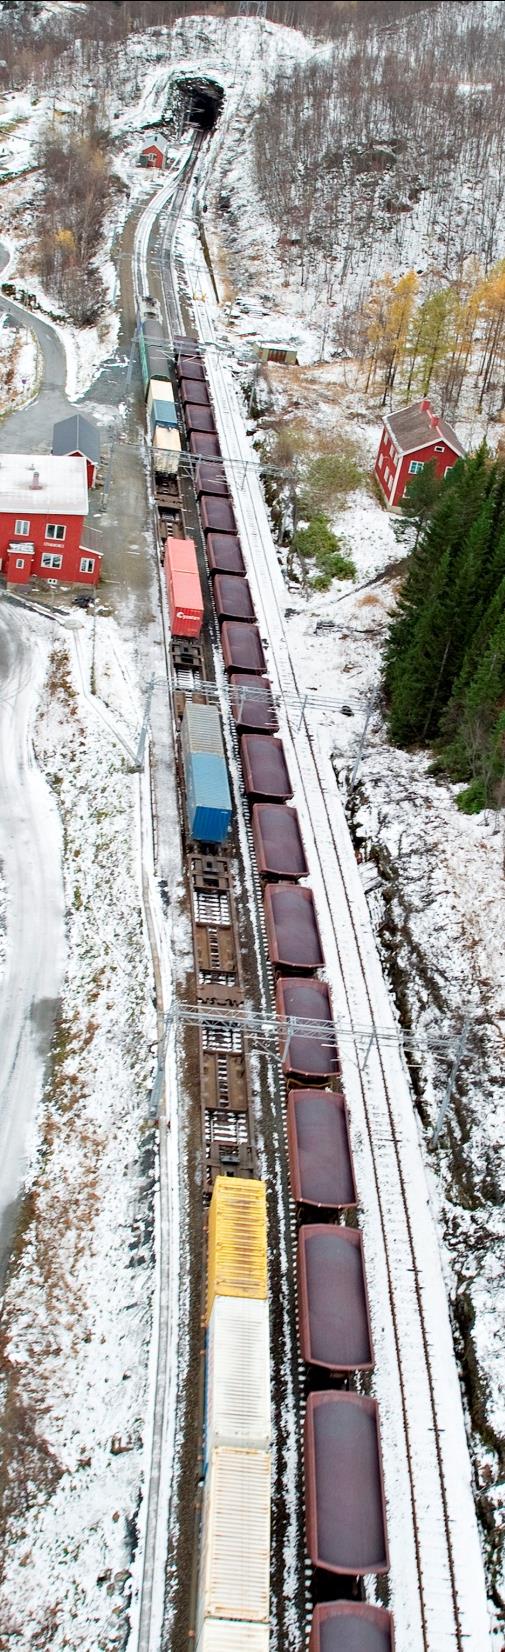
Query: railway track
[[438, 1605]]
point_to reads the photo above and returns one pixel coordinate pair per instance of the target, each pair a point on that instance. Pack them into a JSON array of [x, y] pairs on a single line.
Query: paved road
[[31, 860], [30, 429]]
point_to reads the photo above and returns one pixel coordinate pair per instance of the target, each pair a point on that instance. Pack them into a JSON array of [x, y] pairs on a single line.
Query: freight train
[[346, 1533]]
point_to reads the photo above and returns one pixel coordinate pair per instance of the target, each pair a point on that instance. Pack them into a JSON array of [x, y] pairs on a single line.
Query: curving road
[[30, 429], [31, 863]]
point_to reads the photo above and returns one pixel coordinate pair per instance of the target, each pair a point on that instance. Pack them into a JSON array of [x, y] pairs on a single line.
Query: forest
[[445, 655]]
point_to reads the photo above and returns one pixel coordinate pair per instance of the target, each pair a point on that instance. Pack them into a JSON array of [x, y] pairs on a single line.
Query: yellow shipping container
[[237, 1249]]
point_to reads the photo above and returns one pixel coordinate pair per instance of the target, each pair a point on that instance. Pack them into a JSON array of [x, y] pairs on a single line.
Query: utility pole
[[359, 754], [139, 760], [449, 1089]]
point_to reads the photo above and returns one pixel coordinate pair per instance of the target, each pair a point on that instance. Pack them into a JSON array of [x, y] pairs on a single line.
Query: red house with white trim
[[154, 153], [411, 438], [43, 505]]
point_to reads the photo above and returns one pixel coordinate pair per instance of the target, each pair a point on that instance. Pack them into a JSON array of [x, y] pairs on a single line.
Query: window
[[48, 561], [55, 530], [394, 454], [20, 562], [439, 447], [381, 461], [87, 564], [415, 465], [22, 528], [386, 474]]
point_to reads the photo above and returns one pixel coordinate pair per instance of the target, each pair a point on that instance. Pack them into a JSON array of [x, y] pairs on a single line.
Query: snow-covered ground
[[74, 1371], [19, 366]]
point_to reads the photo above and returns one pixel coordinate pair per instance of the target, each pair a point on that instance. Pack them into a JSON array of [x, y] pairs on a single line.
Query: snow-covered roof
[[77, 435], [156, 141], [418, 425], [37, 483]]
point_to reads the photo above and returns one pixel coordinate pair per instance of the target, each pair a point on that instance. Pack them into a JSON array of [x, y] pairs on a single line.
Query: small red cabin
[[43, 504], [411, 438], [77, 435], [154, 153]]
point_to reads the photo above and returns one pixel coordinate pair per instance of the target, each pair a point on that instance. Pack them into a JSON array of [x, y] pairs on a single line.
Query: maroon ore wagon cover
[[264, 765], [199, 418], [344, 1494], [308, 1056], [189, 367], [332, 1295], [320, 1158], [278, 841], [232, 598], [204, 446], [195, 393], [210, 478], [349, 1626], [241, 645], [293, 935], [252, 704], [224, 555], [217, 514]]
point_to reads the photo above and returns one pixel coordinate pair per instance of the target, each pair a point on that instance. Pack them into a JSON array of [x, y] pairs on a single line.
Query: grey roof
[[157, 140], [77, 435], [412, 427]]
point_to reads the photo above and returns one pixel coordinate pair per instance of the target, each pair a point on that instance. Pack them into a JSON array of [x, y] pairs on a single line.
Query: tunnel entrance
[[200, 102]]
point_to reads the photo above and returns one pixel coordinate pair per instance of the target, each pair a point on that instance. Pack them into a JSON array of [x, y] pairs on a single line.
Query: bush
[[473, 799], [331, 475], [317, 543]]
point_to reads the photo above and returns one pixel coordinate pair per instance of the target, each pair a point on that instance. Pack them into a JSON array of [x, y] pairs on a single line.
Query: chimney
[[35, 481]]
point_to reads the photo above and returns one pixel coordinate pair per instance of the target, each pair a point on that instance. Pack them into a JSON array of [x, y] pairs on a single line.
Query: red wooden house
[[411, 438], [154, 153], [43, 504]]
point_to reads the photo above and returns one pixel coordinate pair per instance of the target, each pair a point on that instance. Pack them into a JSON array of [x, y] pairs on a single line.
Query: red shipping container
[[184, 592]]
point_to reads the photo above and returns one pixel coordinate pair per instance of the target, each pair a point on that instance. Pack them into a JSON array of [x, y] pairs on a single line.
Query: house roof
[[77, 435], [156, 141], [419, 426], [35, 484]]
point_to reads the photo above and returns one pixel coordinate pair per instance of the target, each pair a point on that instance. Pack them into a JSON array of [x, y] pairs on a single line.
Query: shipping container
[[307, 1054], [218, 1636], [344, 1493], [189, 367], [232, 598], [320, 1158], [294, 942], [164, 415], [252, 703], [153, 351], [242, 649], [235, 1556], [217, 514], [211, 478], [237, 1240], [278, 841], [195, 391], [159, 391], [166, 450], [201, 729], [335, 1330], [184, 592], [199, 418], [238, 1375], [224, 555], [204, 445], [207, 797], [350, 1626], [266, 774]]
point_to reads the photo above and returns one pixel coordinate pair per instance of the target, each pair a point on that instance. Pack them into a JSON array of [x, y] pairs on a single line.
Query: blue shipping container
[[163, 413], [208, 796]]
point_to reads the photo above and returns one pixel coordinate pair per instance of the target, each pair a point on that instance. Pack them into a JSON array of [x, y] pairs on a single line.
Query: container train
[[346, 1532]]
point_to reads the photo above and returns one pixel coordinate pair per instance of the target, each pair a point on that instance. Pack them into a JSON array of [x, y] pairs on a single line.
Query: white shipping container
[[233, 1637], [159, 391], [238, 1374], [166, 450], [235, 1558]]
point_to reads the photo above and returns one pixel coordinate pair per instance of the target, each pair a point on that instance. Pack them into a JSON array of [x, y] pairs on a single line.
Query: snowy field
[[73, 1371]]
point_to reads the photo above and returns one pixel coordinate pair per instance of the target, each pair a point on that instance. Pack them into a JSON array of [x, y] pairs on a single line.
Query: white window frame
[[20, 562], [58, 535], [386, 474], [48, 560], [381, 460], [415, 466], [439, 447], [22, 528], [87, 565]]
